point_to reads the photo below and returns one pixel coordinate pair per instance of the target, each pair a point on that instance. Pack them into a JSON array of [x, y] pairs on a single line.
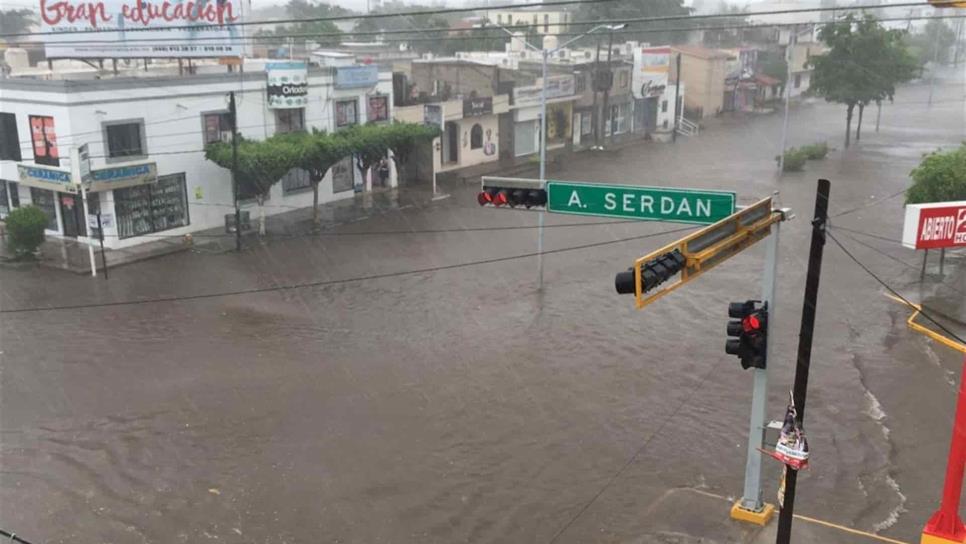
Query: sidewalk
[[71, 255]]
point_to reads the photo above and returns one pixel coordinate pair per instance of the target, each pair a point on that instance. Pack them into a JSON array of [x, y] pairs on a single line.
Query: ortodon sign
[[288, 84], [639, 202], [935, 226], [187, 28], [119, 177], [651, 68]]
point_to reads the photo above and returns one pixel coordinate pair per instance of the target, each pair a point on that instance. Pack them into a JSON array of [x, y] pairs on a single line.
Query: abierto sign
[[116, 28], [934, 226]]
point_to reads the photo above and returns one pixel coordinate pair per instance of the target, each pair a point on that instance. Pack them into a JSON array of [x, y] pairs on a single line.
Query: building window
[[534, 19], [124, 139], [152, 208], [622, 79], [663, 106], [586, 123], [499, 18], [618, 119], [9, 138], [342, 176], [296, 180], [47, 202], [476, 136], [14, 190], [580, 83], [546, 23], [378, 109], [4, 200], [289, 120], [217, 127], [664, 124], [346, 113], [44, 139], [798, 80]]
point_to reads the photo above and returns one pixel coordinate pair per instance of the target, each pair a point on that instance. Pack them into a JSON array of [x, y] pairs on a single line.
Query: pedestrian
[[384, 172]]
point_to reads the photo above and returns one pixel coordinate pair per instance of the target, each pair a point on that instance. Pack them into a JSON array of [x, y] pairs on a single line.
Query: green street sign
[[638, 202]]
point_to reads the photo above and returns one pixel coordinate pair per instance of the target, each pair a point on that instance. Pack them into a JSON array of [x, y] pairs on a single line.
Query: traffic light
[[500, 192], [748, 333], [653, 273]]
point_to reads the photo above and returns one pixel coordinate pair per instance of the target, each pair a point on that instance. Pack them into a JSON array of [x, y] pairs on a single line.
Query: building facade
[[703, 71], [157, 128]]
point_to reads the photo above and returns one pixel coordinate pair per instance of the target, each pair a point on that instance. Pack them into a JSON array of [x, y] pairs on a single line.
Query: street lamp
[[543, 122]]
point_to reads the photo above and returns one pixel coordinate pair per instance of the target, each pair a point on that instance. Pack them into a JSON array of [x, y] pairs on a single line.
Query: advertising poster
[[652, 65], [141, 28], [288, 85], [44, 139]]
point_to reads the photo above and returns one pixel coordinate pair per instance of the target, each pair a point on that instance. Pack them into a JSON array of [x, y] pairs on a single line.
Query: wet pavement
[[457, 404]]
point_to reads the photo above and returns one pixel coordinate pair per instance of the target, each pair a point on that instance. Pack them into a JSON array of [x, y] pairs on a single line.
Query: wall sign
[[652, 65], [288, 84], [44, 177], [476, 107], [119, 177], [44, 138], [378, 108], [935, 225], [557, 87], [354, 77]]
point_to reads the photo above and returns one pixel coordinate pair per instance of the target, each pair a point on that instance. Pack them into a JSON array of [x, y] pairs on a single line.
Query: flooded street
[[459, 405]]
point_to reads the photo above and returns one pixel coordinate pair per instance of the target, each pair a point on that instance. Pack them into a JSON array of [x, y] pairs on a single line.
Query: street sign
[[934, 226], [638, 202]]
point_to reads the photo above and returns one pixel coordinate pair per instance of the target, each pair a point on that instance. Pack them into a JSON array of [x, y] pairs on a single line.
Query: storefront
[[527, 102], [51, 190]]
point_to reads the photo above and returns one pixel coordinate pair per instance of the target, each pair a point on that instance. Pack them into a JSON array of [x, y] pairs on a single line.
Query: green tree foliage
[[773, 64], [630, 9], [933, 43], [940, 177], [369, 144], [324, 33], [864, 64], [404, 139], [316, 153], [261, 164], [25, 230], [15, 21]]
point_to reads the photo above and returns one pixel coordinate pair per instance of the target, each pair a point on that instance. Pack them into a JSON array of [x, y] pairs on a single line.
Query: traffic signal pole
[[805, 347], [945, 526], [751, 508]]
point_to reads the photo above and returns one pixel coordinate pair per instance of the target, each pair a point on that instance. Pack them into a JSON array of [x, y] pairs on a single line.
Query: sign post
[[638, 202]]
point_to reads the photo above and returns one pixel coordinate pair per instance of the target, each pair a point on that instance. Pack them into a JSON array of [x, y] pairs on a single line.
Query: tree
[[727, 37], [261, 164], [940, 177], [773, 64], [369, 144], [630, 9], [26, 225], [316, 153], [933, 43], [404, 139], [15, 21], [864, 64], [324, 33]]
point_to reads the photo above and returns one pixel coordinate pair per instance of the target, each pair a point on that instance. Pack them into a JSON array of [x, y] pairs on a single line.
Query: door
[[72, 213], [650, 115], [451, 143]]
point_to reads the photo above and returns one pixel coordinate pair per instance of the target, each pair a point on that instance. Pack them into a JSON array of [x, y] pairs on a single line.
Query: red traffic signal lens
[[484, 198], [500, 198], [751, 323]]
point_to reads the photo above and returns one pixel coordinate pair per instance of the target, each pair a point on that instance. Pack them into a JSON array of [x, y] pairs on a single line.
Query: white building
[[543, 21], [168, 121]]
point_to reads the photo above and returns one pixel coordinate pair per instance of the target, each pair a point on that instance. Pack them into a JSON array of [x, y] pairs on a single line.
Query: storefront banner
[[175, 28], [119, 177], [288, 85], [45, 177], [477, 107], [557, 87], [652, 65], [354, 77], [934, 226]]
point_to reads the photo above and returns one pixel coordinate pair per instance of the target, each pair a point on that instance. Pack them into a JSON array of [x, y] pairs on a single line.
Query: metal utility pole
[[935, 65], [793, 33], [100, 231], [233, 113], [751, 500], [610, 81], [677, 98], [596, 114], [543, 166], [805, 346]]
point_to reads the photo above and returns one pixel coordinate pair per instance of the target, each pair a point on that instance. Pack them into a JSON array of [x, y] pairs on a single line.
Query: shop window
[[156, 207], [296, 180], [580, 83], [47, 202], [14, 191], [217, 127], [124, 140], [9, 138], [586, 123], [346, 113], [663, 106], [378, 108], [289, 120], [44, 139], [622, 79], [798, 80], [476, 136], [342, 176]]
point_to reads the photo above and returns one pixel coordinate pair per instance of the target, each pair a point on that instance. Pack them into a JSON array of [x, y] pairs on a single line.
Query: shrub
[[794, 160], [816, 151], [940, 177], [25, 227]]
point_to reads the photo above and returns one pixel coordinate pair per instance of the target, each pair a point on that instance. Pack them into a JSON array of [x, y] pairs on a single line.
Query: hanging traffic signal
[[512, 193], [748, 333], [653, 273]]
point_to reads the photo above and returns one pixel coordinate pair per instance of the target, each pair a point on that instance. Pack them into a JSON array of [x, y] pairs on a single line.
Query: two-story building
[[703, 71], [145, 137]]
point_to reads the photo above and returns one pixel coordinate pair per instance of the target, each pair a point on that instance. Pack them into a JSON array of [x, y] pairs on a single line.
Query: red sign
[[941, 227]]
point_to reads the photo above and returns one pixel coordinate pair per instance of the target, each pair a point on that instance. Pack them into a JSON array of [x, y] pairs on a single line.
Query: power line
[[349, 17], [324, 283], [893, 291], [13, 537], [868, 204]]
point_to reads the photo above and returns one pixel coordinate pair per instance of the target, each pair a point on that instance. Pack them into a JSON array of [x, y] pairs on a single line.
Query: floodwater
[[459, 405]]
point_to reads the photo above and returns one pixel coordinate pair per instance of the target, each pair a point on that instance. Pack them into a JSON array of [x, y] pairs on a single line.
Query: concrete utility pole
[[610, 82], [793, 33], [233, 112], [677, 99]]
